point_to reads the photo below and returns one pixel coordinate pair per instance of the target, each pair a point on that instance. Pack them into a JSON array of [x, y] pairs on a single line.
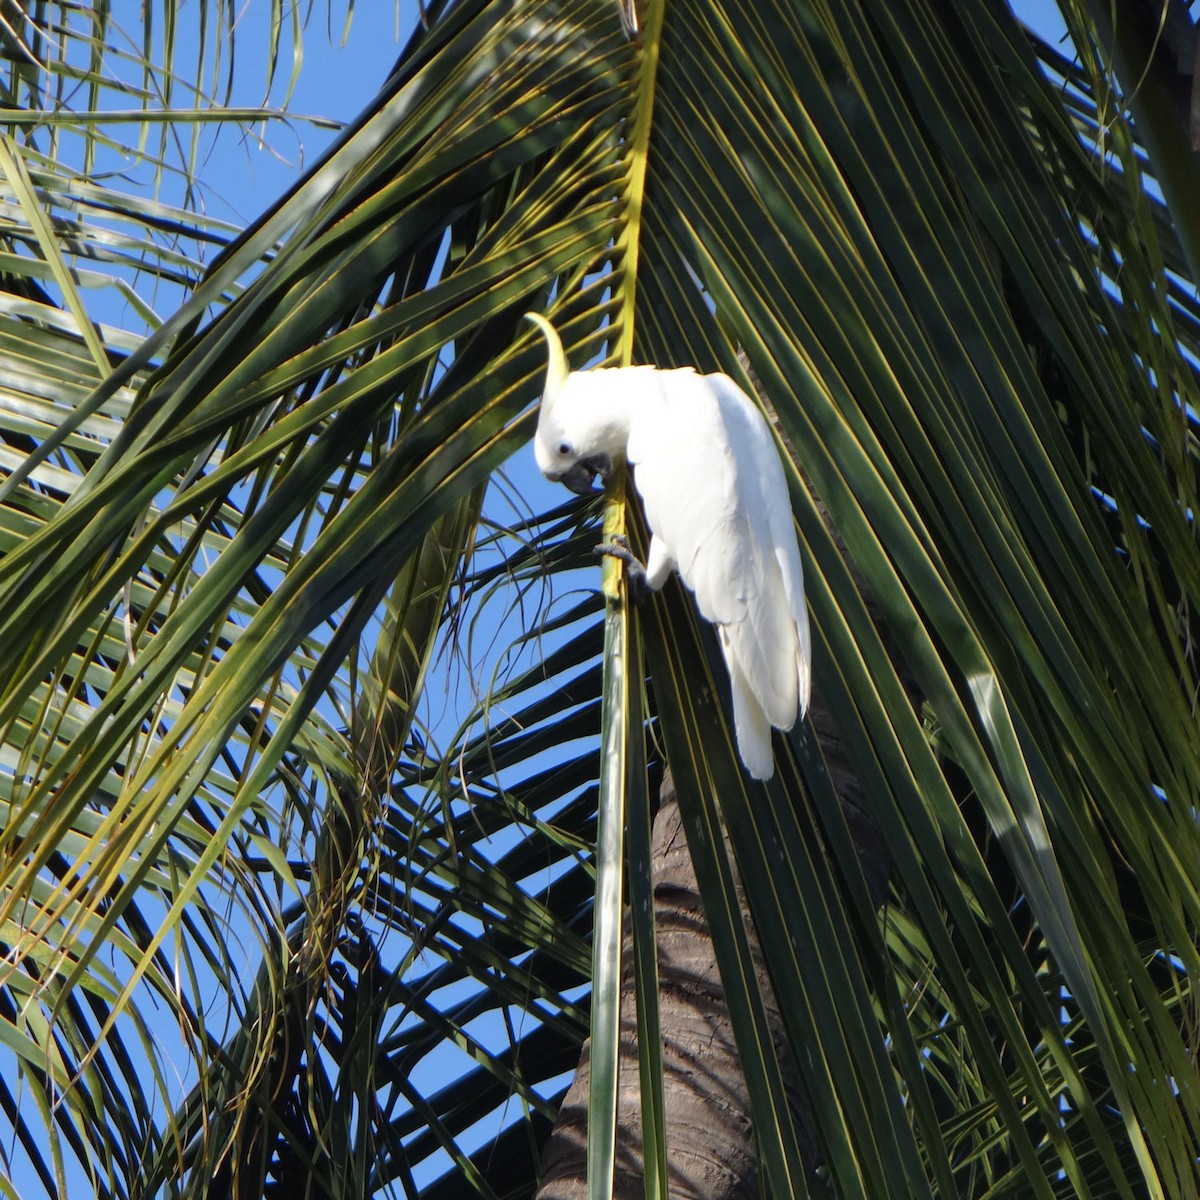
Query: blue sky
[[342, 56]]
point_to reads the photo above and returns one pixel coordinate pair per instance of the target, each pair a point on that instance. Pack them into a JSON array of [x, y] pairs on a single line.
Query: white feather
[[717, 503], [750, 723]]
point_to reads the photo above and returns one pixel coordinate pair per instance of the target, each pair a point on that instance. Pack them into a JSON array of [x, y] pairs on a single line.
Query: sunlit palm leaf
[[256, 480]]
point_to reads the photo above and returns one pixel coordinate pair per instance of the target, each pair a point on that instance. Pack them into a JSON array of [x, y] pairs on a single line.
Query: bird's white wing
[[778, 505], [715, 493]]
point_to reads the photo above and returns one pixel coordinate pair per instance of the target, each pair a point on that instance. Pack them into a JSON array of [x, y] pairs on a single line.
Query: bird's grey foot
[[636, 581]]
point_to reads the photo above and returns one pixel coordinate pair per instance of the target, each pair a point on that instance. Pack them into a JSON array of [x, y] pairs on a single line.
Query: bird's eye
[[564, 449]]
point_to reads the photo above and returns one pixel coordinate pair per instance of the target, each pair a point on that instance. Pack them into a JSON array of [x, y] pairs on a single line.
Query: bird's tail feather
[[750, 722], [804, 666]]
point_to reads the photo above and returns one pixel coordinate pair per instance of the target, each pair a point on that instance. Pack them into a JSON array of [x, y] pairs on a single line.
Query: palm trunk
[[710, 1148]]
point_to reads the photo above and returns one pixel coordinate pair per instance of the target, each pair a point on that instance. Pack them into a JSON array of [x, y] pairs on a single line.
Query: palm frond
[[234, 557]]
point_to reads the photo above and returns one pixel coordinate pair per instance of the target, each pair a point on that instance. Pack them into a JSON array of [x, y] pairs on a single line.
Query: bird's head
[[573, 442]]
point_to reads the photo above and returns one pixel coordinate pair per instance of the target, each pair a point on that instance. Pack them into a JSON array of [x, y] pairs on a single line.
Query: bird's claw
[[636, 582]]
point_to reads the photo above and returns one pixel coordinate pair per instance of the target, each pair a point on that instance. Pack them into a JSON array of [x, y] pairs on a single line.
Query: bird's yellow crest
[[556, 368]]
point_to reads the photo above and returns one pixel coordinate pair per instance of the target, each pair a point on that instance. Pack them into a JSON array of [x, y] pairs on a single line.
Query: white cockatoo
[[716, 501]]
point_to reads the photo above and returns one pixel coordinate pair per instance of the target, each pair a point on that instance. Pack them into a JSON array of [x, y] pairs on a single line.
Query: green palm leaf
[[242, 554]]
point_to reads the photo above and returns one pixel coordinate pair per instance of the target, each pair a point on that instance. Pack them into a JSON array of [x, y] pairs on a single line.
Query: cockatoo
[[716, 501]]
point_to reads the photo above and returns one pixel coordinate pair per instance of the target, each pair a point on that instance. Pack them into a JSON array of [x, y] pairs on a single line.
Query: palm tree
[[326, 766]]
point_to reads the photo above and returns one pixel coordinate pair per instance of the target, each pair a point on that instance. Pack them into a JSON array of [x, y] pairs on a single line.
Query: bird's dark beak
[[581, 476]]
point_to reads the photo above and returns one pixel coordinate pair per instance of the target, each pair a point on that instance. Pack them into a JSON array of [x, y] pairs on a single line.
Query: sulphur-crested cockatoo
[[716, 501]]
